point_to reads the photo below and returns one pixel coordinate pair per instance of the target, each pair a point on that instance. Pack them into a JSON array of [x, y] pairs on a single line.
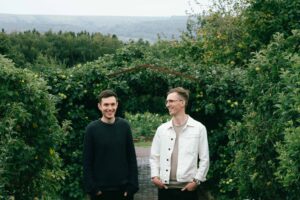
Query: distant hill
[[125, 28]]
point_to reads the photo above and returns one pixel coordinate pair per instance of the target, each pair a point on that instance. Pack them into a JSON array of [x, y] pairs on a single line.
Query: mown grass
[[143, 144]]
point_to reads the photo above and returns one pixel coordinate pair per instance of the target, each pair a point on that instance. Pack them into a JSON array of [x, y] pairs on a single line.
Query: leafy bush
[[268, 129], [145, 124], [29, 136], [288, 107], [288, 170], [262, 19], [215, 101]]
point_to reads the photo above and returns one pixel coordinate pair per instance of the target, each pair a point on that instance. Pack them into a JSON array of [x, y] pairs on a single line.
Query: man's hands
[[190, 186], [157, 182], [99, 193]]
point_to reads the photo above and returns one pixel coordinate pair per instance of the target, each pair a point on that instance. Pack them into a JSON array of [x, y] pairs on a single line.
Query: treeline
[[125, 27], [241, 62], [65, 49]]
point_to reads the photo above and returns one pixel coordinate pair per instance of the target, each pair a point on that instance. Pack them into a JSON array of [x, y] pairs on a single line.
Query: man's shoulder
[[92, 124], [121, 120], [165, 125], [122, 123]]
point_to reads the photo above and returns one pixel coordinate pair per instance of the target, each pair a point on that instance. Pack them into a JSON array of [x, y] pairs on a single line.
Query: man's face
[[175, 104], [108, 107]]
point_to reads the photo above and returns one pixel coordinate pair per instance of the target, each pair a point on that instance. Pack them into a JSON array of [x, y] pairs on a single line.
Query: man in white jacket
[[179, 157]]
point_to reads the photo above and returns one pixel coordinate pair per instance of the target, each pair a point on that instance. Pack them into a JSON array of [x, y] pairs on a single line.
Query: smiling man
[[179, 158], [109, 159]]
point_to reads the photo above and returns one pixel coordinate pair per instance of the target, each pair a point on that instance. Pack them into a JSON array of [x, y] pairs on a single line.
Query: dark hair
[[106, 94], [184, 93]]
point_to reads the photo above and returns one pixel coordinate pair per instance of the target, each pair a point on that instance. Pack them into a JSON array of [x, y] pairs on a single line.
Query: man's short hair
[[184, 93], [106, 94]]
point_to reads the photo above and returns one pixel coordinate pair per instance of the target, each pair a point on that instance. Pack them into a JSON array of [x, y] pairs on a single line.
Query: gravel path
[[142, 151], [147, 190]]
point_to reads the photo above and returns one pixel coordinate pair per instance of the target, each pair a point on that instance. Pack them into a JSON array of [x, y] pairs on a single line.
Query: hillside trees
[[65, 49]]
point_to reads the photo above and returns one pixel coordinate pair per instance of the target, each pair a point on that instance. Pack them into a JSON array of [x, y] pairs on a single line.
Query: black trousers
[[112, 195], [176, 194]]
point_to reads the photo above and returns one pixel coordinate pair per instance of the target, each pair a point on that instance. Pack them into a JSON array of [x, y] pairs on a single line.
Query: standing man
[[179, 157], [109, 159]]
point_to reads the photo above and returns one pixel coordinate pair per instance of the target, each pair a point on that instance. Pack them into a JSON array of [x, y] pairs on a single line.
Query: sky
[[103, 7]]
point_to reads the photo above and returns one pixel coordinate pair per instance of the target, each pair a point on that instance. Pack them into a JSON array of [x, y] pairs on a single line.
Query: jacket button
[[167, 170], [167, 159], [172, 139], [169, 149]]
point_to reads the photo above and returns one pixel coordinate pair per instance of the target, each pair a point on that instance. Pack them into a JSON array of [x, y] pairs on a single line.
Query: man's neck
[[179, 120], [108, 121]]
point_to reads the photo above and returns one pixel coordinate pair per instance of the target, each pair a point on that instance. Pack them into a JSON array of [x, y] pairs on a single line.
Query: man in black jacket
[[109, 159]]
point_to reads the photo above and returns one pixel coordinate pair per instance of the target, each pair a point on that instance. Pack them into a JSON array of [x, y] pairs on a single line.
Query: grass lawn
[[143, 144]]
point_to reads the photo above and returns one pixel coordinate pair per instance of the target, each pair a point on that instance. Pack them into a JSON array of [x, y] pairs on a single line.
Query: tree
[[264, 18]]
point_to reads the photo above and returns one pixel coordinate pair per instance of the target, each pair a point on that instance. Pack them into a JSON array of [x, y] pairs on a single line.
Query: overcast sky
[[102, 7]]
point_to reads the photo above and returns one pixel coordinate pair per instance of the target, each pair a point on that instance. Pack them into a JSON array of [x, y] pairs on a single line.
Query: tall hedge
[[29, 135], [266, 141]]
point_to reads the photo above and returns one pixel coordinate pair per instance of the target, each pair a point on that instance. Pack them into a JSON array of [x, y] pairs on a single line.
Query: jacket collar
[[190, 122]]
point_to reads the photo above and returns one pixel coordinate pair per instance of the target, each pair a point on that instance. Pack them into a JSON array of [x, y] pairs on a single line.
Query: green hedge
[[265, 143], [29, 135]]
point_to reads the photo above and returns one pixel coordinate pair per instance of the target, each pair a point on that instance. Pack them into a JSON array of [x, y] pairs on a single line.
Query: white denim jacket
[[192, 144]]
